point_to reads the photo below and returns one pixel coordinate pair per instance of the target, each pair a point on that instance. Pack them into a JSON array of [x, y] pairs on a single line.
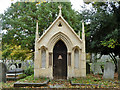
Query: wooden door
[[60, 60]]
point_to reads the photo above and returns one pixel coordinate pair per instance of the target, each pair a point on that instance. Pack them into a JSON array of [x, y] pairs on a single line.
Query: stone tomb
[[60, 52], [109, 70], [12, 67], [14, 74], [3, 70]]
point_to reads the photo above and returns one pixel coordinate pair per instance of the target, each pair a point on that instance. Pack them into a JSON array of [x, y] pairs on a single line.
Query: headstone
[[119, 69], [109, 70], [19, 65], [87, 68], [12, 67], [3, 70], [92, 67], [96, 68], [16, 65]]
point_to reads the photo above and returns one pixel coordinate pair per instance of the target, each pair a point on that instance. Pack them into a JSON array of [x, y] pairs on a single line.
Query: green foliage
[[29, 71], [22, 75], [0, 55], [110, 44], [103, 33], [31, 79], [15, 52], [103, 26], [96, 79], [6, 52], [20, 22], [28, 79], [89, 79]]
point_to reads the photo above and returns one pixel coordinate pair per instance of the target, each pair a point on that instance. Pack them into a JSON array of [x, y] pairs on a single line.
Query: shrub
[[22, 75], [29, 71]]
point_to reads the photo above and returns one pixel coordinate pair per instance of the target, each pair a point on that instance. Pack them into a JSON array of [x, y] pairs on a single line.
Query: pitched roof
[[59, 16]]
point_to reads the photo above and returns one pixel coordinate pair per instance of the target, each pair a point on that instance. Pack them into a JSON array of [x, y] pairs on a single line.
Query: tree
[[20, 20], [15, 53], [103, 31]]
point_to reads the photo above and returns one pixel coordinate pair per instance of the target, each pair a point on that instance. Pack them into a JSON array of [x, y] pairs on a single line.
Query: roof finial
[[60, 7]]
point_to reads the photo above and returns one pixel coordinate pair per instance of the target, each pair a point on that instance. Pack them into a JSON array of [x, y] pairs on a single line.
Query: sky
[[4, 4]]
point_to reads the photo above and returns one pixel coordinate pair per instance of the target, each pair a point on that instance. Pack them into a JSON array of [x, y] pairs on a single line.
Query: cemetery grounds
[[90, 81]]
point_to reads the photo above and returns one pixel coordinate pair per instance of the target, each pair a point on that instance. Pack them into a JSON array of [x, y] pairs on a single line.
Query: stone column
[[72, 63], [47, 59], [83, 51], [36, 53], [80, 61]]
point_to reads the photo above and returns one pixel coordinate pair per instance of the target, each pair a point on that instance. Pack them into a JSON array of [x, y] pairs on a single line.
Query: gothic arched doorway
[[60, 60]]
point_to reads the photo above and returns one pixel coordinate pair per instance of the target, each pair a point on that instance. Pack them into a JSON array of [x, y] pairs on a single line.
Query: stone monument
[[12, 67], [3, 70], [109, 70], [59, 39], [96, 68]]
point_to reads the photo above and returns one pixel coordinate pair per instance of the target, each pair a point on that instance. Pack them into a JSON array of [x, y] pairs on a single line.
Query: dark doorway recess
[[60, 60]]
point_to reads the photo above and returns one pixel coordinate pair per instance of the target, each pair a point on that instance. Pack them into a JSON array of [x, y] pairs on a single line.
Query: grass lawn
[[97, 80], [28, 79], [90, 79], [8, 84]]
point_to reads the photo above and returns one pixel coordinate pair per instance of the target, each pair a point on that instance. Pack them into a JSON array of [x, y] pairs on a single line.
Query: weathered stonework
[[48, 40]]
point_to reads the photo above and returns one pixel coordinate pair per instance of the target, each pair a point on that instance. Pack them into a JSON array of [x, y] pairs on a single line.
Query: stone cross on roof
[[60, 7]]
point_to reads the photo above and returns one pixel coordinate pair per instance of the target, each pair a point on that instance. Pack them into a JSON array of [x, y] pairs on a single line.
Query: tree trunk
[[114, 60]]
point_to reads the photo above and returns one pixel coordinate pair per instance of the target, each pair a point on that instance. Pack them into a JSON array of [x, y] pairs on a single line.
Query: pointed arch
[[60, 60], [60, 36], [76, 46]]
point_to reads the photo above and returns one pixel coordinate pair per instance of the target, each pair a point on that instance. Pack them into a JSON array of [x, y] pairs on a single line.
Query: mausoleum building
[[60, 52]]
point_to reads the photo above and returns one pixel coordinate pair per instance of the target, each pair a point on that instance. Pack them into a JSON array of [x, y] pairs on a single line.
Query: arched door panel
[[60, 60]]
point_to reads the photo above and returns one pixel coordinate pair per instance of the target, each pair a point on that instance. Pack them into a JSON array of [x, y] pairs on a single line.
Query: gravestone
[[109, 70], [87, 68], [96, 68], [12, 67], [19, 65], [119, 69], [3, 70]]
